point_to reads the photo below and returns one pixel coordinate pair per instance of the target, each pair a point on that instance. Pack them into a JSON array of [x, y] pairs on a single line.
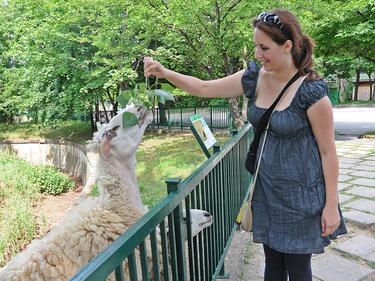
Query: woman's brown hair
[[288, 28]]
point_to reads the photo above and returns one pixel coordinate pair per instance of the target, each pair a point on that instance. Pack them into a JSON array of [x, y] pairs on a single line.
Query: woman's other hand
[[154, 68], [330, 219]]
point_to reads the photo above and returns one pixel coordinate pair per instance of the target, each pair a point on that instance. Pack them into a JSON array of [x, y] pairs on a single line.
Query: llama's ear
[[105, 146]]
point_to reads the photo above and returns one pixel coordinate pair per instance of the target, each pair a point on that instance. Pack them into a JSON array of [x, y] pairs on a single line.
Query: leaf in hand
[[163, 94], [123, 99], [129, 119]]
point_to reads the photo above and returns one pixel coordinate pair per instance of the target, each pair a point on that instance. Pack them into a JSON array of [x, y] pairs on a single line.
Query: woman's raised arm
[[226, 87]]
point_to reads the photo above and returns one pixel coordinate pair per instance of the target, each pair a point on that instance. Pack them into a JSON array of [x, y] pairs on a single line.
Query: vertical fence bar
[[132, 267], [211, 118], [169, 119], [195, 239], [119, 273], [164, 249], [181, 118], [143, 255], [155, 256], [200, 235], [172, 186], [189, 238]]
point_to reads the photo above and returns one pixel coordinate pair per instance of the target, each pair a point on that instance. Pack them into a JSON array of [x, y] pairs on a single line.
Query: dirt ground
[[50, 210]]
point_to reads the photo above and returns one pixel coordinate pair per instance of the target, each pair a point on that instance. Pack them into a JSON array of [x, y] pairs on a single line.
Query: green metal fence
[[220, 186], [216, 117]]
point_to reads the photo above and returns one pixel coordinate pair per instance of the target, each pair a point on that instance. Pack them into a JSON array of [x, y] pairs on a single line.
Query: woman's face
[[271, 55]]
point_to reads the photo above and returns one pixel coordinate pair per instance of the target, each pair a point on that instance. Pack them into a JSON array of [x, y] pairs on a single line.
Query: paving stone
[[360, 167], [359, 217], [363, 174], [361, 152], [343, 185], [364, 205], [344, 178], [360, 245], [343, 171], [363, 181], [349, 160], [368, 163], [362, 191], [370, 158], [344, 198], [355, 156], [332, 267]]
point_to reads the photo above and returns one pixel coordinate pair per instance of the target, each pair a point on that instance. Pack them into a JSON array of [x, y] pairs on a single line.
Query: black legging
[[279, 266]]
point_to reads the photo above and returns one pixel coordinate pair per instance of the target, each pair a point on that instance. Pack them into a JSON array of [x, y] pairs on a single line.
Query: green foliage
[[63, 57], [144, 95], [21, 185], [75, 131], [43, 179], [17, 225], [49, 180]]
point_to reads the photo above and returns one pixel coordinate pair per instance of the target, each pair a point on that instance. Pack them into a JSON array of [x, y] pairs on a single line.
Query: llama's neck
[[118, 185]]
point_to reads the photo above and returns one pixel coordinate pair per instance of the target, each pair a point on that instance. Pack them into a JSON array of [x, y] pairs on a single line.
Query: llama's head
[[113, 140], [199, 220]]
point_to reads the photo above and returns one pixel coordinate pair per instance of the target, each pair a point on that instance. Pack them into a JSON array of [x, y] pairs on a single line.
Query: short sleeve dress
[[289, 195]]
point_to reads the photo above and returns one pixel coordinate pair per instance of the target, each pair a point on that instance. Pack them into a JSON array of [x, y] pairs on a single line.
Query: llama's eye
[[115, 128]]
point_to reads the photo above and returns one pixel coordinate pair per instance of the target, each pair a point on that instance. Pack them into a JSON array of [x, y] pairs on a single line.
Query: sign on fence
[[202, 133]]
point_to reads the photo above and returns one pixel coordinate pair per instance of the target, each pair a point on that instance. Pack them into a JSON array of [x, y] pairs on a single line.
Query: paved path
[[354, 120], [352, 256]]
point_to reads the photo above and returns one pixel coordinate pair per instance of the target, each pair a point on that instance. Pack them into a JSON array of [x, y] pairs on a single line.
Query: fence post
[[181, 118], [169, 119], [211, 117], [178, 235]]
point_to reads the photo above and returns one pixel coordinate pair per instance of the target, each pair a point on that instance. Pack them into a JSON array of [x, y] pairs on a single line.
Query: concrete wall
[[66, 156]]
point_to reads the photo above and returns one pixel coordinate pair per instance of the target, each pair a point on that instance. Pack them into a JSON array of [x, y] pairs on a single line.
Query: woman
[[295, 201]]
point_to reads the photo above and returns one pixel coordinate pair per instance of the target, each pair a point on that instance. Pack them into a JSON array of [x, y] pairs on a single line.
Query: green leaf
[[123, 99], [129, 120], [163, 94], [167, 87], [142, 87]]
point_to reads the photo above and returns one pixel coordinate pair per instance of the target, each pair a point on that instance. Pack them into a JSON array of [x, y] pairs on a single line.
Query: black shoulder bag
[[251, 154]]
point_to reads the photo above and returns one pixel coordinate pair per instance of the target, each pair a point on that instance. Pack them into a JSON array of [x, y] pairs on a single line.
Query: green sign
[[202, 133]]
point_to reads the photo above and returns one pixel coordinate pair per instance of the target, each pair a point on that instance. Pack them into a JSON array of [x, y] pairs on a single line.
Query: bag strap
[[270, 111], [266, 116]]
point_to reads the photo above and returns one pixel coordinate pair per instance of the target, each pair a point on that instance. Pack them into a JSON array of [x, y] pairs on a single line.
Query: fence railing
[[157, 245], [216, 117]]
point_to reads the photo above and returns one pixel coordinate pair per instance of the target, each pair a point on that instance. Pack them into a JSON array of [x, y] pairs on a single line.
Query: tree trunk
[[341, 86], [96, 111], [92, 122], [358, 75], [370, 85], [162, 116], [105, 111], [236, 114]]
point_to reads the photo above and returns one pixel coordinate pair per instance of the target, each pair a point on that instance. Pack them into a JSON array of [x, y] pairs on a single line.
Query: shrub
[[49, 180]]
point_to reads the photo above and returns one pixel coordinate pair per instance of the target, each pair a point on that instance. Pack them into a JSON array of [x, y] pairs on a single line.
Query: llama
[[95, 222]]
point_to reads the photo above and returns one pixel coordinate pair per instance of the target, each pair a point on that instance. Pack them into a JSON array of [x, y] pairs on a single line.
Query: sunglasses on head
[[271, 19]]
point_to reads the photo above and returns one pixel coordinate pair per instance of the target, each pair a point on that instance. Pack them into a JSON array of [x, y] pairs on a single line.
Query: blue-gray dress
[[289, 195]]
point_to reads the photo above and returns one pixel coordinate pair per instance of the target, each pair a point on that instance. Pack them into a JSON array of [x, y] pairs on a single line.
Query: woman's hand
[[154, 68], [330, 219]]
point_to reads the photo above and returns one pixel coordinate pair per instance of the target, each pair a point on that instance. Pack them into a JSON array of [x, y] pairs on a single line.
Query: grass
[[160, 158], [20, 187], [66, 130]]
